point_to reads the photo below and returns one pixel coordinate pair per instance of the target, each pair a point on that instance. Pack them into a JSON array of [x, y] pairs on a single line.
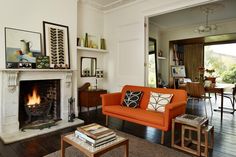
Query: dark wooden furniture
[[91, 151], [89, 98]]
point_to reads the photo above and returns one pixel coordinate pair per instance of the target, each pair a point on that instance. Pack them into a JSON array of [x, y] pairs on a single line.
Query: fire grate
[[41, 110]]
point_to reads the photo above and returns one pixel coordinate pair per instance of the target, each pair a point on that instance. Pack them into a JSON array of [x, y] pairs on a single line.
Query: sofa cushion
[[132, 98], [158, 101], [178, 95], [137, 114]]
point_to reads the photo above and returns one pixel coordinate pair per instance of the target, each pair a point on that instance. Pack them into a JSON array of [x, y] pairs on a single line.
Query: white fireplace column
[[9, 94]]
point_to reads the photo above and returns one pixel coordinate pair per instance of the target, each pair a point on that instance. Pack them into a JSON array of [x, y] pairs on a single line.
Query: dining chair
[[196, 91]]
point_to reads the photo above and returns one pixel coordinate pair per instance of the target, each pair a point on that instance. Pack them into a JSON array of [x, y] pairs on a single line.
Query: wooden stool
[[206, 131]]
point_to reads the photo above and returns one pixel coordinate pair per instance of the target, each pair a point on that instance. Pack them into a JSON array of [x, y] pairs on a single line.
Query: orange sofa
[[112, 106]]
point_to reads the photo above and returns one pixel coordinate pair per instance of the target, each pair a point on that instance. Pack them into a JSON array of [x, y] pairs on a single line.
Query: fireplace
[[39, 103]]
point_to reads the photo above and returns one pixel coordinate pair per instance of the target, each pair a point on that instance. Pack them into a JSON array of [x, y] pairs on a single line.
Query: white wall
[[29, 15], [125, 33], [188, 32], [91, 21]]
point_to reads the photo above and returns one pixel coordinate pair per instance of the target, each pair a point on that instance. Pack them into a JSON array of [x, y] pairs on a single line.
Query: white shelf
[[162, 58], [37, 70], [90, 49]]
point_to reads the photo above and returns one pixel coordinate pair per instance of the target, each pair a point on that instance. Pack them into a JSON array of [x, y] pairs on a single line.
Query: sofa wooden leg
[[162, 136], [107, 119]]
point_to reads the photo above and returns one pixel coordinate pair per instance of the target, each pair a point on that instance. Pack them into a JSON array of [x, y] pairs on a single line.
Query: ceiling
[[109, 4], [222, 10]]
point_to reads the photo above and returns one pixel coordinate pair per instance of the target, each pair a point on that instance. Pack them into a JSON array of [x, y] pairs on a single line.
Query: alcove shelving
[[91, 49]]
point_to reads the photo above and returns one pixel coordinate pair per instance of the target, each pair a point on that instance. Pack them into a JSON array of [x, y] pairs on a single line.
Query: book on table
[[95, 134], [192, 119]]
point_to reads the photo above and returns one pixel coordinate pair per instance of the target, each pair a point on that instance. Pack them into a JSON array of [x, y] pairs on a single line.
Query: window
[[222, 59]]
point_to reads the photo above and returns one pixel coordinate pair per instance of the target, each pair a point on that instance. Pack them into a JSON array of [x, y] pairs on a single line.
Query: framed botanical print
[[56, 44], [21, 46]]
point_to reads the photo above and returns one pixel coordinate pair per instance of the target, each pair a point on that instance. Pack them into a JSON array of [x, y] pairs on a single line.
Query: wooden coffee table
[[91, 151]]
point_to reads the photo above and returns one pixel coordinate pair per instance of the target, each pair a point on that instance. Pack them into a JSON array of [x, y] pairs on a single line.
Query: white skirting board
[[28, 133]]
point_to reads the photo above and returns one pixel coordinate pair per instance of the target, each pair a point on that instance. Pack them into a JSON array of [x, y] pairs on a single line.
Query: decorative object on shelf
[[78, 41], [71, 109], [99, 75], [206, 28], [56, 43], [25, 65], [86, 40], [103, 44], [42, 62], [160, 53], [21, 46], [88, 66], [82, 42], [93, 41]]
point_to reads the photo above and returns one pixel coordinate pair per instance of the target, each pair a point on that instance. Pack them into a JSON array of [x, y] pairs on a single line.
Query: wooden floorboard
[[225, 134]]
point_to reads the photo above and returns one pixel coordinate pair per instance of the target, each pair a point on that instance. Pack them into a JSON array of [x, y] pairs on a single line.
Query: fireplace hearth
[[39, 104]]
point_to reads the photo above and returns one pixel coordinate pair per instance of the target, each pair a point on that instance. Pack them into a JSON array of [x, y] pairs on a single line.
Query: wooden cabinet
[[90, 98]]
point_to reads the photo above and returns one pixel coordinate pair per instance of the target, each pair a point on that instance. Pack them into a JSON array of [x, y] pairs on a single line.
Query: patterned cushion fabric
[[132, 98], [158, 101]]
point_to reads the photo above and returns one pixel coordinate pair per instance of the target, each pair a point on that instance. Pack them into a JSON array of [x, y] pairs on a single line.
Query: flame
[[34, 98]]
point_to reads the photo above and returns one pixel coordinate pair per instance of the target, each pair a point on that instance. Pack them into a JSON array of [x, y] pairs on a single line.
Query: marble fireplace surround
[[9, 99]]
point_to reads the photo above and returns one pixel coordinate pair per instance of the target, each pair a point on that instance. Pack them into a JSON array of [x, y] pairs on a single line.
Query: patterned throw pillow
[[132, 98], [158, 101]]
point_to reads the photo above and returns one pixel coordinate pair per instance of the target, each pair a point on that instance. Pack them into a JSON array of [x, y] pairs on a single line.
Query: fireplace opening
[[39, 103]]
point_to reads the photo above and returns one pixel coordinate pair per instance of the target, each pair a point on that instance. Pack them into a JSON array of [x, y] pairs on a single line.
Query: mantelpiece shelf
[[162, 58], [91, 49], [37, 70]]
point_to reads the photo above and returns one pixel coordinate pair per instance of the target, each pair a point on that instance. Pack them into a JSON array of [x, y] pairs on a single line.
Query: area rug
[[137, 148]]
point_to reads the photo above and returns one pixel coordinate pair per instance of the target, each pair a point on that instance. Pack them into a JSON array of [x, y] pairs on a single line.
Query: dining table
[[219, 88]]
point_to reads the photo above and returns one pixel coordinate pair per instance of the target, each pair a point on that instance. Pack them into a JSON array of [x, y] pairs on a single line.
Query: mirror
[[88, 66]]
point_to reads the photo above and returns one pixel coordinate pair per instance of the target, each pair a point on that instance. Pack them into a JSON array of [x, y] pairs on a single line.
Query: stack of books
[[192, 119], [95, 134]]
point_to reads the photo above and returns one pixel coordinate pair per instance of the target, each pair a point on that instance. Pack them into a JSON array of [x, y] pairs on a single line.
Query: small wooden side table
[[199, 128], [91, 151]]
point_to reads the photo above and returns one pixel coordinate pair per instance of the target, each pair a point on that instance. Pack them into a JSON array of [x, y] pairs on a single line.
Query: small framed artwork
[[56, 43], [42, 62], [21, 46], [178, 71]]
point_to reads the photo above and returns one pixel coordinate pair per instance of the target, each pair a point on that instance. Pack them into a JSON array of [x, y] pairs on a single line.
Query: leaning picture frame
[[178, 71], [56, 44], [21, 46]]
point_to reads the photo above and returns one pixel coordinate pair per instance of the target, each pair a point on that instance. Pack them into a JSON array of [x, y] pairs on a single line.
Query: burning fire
[[34, 98]]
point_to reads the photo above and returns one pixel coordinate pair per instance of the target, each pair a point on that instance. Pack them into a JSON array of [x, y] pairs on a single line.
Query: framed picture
[[42, 62], [21, 46], [56, 43], [178, 71]]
